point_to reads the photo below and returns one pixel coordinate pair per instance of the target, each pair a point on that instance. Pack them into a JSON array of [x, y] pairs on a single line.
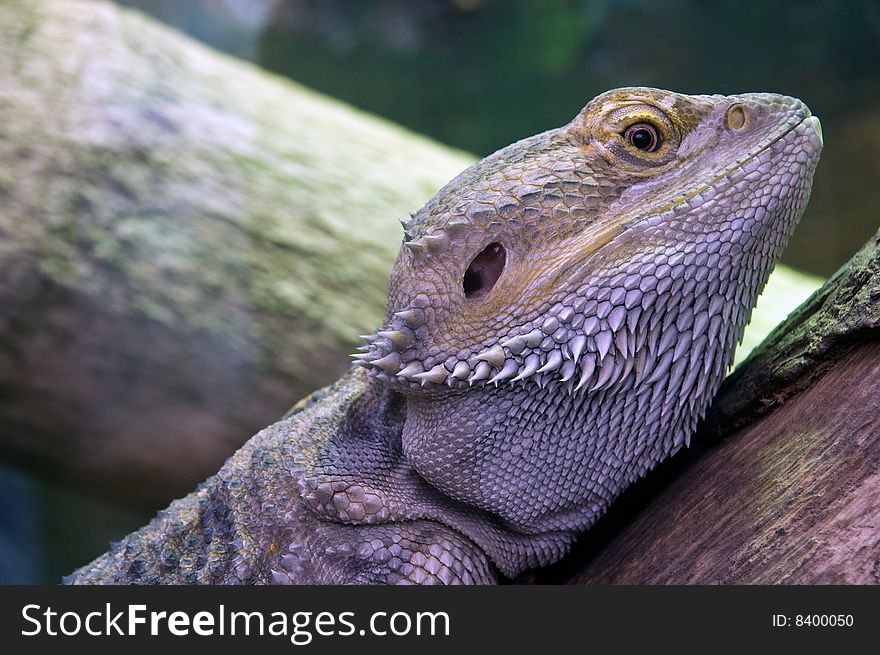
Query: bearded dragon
[[559, 317]]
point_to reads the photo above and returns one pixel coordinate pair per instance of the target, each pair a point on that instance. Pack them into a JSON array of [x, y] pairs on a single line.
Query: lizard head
[[562, 312], [541, 261]]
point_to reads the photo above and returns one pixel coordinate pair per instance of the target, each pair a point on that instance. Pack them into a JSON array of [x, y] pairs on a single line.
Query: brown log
[[783, 485]]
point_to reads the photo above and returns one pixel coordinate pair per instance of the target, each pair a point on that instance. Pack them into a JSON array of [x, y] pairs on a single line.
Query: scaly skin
[[512, 395]]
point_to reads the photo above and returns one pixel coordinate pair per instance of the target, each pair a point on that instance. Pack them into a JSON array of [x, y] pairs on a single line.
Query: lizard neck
[[544, 455], [542, 459]]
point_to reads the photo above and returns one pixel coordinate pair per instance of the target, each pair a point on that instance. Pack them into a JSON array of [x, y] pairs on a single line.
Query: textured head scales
[[546, 207], [563, 311]]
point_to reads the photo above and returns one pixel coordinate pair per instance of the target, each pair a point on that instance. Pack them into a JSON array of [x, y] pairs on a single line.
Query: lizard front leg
[[254, 522], [207, 539], [412, 552]]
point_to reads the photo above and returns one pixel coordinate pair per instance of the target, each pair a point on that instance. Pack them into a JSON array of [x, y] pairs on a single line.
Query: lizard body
[[559, 317]]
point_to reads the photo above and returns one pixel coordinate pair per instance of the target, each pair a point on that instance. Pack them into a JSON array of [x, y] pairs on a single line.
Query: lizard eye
[[484, 271], [643, 136]]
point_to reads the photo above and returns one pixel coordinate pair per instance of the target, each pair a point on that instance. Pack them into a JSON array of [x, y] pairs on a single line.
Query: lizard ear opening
[[484, 271]]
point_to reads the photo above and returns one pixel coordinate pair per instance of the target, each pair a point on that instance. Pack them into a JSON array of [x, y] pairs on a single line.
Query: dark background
[[479, 74]]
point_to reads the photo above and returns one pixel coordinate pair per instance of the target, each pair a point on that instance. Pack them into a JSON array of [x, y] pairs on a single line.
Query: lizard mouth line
[[677, 202]]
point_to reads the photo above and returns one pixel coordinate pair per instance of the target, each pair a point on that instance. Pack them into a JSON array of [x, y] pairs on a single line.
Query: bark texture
[[784, 484]]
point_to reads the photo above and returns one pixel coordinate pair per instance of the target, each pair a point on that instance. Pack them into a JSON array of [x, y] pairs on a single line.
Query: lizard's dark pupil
[[643, 136], [484, 271], [641, 139]]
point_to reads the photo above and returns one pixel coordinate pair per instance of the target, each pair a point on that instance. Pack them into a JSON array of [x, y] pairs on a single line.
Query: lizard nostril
[[484, 271]]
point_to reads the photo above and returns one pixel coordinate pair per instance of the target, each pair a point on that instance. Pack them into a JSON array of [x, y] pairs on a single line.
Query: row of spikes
[[435, 243], [592, 362]]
